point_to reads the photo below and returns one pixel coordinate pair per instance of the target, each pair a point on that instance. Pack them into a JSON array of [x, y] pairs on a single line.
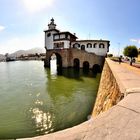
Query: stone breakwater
[[109, 93]]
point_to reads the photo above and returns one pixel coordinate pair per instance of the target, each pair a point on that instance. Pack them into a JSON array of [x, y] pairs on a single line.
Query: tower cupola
[[52, 25]]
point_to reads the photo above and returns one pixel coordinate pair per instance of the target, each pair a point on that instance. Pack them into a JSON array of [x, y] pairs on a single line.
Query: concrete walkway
[[135, 69], [121, 122]]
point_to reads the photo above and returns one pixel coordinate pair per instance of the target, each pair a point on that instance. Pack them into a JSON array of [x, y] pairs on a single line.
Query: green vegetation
[[139, 51], [131, 51], [109, 55], [115, 58]]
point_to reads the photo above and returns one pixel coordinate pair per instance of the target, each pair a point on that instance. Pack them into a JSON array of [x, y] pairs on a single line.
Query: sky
[[22, 22]]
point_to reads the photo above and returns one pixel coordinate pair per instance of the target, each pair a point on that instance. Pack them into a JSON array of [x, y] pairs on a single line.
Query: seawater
[[34, 102]]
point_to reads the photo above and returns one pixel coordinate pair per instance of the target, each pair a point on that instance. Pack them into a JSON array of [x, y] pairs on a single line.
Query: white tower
[[49, 35]]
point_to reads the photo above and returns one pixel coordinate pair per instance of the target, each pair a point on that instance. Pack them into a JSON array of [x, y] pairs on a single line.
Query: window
[[62, 36], [76, 45], [49, 34], [82, 47], [56, 37], [89, 45], [94, 45], [101, 45], [59, 45], [66, 36]]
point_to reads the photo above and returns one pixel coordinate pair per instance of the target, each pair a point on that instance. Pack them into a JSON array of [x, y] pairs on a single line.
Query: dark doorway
[[59, 60], [86, 66], [96, 68], [76, 63]]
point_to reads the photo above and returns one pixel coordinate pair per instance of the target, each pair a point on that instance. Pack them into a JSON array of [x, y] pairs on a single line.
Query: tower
[[49, 33], [51, 25]]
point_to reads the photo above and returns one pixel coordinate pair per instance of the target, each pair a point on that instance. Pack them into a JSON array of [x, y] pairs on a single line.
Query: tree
[[109, 55], [131, 51], [139, 51]]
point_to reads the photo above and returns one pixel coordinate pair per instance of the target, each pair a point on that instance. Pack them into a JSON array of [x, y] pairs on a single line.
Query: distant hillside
[[26, 52]]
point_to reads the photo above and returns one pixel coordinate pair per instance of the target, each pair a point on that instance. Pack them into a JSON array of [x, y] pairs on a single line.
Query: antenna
[[118, 49], [89, 36]]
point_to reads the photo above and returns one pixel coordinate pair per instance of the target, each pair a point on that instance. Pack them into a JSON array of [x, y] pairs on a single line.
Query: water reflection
[[42, 120], [67, 92], [77, 73], [38, 104], [53, 66]]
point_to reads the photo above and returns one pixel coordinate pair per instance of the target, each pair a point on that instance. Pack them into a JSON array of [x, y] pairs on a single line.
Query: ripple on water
[[33, 101]]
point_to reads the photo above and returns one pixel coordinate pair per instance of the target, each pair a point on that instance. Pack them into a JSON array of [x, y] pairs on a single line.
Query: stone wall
[[68, 56], [109, 93]]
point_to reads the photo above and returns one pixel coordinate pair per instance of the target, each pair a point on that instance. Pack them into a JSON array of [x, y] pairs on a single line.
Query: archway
[[82, 47], [58, 59], [76, 45], [101, 45], [86, 66], [96, 68], [76, 63]]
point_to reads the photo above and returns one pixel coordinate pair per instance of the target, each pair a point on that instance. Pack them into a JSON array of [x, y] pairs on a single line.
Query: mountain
[[26, 52]]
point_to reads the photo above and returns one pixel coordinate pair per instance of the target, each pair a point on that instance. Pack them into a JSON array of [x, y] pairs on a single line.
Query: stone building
[[67, 48]]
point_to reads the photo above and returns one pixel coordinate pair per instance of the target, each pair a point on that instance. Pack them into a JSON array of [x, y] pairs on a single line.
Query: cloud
[[135, 40], [25, 43], [1, 28], [34, 6]]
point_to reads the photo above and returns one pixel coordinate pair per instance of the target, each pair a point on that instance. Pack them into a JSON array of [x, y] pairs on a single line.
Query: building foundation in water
[[71, 52]]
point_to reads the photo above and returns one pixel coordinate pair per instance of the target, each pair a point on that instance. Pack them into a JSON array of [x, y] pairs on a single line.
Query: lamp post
[[119, 49]]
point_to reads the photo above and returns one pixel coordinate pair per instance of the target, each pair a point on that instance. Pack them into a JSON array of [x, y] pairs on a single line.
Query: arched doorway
[[96, 68], [76, 63], [58, 59], [86, 66], [82, 47]]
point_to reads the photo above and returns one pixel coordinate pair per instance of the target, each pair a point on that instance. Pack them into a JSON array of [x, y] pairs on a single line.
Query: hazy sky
[[22, 21]]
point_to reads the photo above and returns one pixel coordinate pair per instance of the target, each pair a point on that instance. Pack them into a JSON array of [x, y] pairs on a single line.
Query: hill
[[26, 52]]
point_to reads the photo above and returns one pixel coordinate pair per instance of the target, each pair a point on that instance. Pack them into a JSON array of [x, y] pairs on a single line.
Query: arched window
[[94, 45], [89, 45], [82, 47], [76, 45], [49, 34], [101, 45]]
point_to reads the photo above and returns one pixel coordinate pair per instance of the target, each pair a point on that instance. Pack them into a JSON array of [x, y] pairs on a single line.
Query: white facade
[[54, 39], [99, 47]]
